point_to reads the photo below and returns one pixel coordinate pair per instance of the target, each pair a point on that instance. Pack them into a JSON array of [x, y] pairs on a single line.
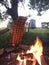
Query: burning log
[[28, 59], [37, 52], [33, 56], [25, 47], [23, 59], [43, 62], [20, 62], [25, 62], [29, 62], [28, 56]]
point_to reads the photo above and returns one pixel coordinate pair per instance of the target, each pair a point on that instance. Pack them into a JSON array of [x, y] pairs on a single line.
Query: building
[[32, 23], [45, 24]]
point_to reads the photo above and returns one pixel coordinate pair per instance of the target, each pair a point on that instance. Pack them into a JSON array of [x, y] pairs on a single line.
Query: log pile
[[11, 58]]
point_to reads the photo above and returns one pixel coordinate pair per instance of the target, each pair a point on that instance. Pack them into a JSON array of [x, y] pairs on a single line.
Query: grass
[[4, 39], [28, 38], [39, 30]]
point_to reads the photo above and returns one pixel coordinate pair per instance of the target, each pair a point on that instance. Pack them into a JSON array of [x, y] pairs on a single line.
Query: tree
[[18, 27], [40, 5], [13, 10]]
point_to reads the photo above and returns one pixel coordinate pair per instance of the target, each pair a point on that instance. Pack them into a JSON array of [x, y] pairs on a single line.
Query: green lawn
[[28, 38], [38, 30], [5, 39]]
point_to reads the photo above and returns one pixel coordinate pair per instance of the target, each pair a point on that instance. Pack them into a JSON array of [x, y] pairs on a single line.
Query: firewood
[[43, 62], [25, 47]]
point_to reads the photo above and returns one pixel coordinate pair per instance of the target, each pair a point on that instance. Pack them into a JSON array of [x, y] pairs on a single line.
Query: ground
[[28, 39]]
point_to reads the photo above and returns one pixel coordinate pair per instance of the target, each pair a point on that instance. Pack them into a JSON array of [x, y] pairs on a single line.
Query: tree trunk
[[14, 10]]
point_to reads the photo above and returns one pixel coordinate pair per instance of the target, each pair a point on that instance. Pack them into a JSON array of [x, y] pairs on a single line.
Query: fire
[[37, 50], [21, 61], [18, 58]]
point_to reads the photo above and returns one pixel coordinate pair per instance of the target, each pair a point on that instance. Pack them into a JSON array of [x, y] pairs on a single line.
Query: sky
[[23, 10]]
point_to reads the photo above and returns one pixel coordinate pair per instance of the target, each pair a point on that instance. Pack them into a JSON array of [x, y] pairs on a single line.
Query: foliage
[[11, 10], [12, 7], [40, 5]]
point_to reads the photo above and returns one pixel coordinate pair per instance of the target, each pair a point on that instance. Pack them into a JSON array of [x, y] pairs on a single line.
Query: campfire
[[33, 56]]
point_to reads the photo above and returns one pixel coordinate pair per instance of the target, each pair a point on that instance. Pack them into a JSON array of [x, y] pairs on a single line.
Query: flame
[[21, 61], [18, 58], [37, 50]]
